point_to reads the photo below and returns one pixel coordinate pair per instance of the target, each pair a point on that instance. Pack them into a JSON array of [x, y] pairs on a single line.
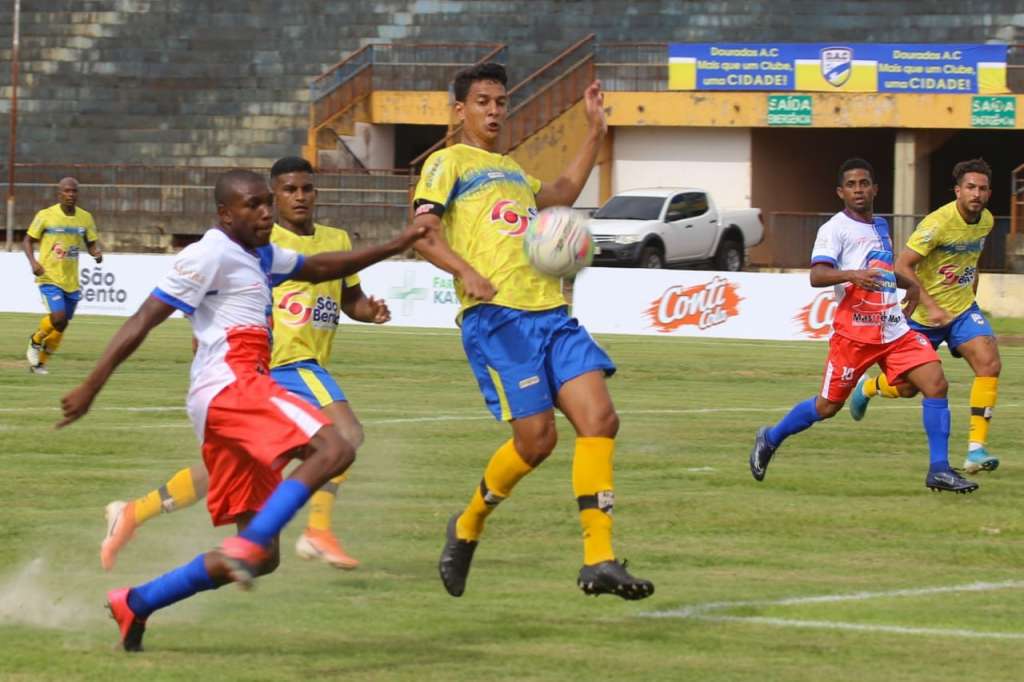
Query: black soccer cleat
[[950, 481], [456, 557], [611, 577], [761, 454]]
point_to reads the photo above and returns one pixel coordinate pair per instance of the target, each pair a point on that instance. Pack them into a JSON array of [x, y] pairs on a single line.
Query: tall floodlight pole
[[13, 140]]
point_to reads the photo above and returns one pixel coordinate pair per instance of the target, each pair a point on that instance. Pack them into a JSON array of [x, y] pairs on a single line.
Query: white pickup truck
[[653, 228]]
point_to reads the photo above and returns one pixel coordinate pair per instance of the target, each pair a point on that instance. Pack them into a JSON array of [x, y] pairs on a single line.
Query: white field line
[[711, 611], [421, 420], [861, 627], [701, 609]]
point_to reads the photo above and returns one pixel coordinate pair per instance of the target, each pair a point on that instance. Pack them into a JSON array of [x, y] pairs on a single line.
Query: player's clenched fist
[[75, 404]]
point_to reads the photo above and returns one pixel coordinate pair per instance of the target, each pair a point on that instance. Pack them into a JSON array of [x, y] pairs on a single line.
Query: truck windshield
[[631, 208]]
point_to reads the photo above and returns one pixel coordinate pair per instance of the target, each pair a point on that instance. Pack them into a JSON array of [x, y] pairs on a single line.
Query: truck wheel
[[729, 256], [651, 257]]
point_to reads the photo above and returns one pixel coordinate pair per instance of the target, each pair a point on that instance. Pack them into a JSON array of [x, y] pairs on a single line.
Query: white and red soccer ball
[[558, 242]]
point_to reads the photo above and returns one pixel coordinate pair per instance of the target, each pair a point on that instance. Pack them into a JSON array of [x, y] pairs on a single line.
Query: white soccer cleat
[[39, 369], [32, 353]]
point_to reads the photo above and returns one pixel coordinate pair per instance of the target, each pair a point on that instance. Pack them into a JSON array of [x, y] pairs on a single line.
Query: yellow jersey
[[486, 201], [305, 315], [951, 249], [61, 237]]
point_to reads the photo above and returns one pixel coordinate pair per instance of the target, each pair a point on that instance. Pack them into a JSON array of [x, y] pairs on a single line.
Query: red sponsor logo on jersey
[[511, 218], [296, 309], [815, 318], [58, 250], [701, 306]]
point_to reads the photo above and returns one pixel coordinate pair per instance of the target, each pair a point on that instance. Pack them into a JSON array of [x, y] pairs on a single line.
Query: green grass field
[[843, 512]]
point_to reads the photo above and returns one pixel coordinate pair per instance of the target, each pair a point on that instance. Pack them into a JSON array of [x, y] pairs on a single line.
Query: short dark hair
[[854, 164], [290, 164], [489, 71], [227, 184], [978, 165]]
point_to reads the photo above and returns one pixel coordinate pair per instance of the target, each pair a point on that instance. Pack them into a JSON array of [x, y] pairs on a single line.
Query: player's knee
[[59, 321], [936, 388], [906, 390], [608, 424], [828, 409], [991, 368], [536, 447], [353, 433], [334, 454]]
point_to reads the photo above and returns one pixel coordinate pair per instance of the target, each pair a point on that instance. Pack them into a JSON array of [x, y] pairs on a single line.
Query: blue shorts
[[969, 324], [309, 381], [59, 301], [521, 358]]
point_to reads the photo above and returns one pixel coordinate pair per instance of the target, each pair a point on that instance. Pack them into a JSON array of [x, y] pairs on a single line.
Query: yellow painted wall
[[546, 154], [749, 109], [420, 107]]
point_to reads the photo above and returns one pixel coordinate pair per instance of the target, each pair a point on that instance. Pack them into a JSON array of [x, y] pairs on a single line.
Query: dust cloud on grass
[[29, 595]]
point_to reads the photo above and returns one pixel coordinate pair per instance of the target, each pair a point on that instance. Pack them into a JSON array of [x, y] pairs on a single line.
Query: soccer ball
[[558, 242]]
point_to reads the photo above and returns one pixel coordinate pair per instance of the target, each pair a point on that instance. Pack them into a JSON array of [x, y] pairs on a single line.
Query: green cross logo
[[408, 293]]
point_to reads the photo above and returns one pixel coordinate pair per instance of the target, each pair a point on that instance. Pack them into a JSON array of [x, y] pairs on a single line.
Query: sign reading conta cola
[[741, 305]]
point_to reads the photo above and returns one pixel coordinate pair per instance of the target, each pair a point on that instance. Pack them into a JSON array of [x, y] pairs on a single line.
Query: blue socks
[[800, 418], [287, 499], [171, 587], [935, 413]]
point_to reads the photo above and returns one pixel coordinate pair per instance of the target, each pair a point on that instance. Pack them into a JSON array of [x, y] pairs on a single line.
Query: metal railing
[[789, 239], [546, 92], [175, 199], [393, 66]]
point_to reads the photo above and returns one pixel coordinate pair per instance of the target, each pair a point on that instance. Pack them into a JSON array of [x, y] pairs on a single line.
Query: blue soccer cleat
[[980, 460], [859, 401], [949, 481]]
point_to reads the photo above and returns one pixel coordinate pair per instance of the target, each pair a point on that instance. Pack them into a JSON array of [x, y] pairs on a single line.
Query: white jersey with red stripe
[[225, 290], [846, 243]]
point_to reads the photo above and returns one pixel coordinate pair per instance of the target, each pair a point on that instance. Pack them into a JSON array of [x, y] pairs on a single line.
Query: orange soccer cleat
[[132, 627], [322, 545], [120, 529]]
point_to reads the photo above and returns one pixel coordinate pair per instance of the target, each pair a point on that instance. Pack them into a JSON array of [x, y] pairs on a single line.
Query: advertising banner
[[418, 294], [839, 67], [742, 305]]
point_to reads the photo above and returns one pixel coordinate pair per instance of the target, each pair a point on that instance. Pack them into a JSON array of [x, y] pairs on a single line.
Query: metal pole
[[13, 140]]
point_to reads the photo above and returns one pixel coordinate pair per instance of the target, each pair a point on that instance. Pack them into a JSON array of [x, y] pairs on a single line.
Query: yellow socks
[[177, 493], [45, 329], [321, 504], [505, 469], [879, 386], [984, 392], [592, 486]]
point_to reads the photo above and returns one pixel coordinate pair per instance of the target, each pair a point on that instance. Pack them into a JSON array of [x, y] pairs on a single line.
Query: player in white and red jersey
[[853, 253], [248, 425]]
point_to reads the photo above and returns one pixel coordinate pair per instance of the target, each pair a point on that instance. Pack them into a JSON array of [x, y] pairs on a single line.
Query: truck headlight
[[628, 239]]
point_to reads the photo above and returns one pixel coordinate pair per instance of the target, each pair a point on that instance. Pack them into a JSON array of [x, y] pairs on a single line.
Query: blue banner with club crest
[[838, 67]]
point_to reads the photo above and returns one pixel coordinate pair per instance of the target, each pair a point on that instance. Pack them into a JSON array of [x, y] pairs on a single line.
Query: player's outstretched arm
[[362, 308], [566, 189], [131, 334], [337, 264], [906, 277], [436, 250]]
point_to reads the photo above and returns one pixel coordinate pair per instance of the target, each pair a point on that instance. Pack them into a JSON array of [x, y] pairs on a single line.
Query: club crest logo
[[836, 65]]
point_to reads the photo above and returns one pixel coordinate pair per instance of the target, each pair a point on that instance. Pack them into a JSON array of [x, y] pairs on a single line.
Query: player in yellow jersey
[[527, 354], [942, 258], [305, 317], [61, 231]]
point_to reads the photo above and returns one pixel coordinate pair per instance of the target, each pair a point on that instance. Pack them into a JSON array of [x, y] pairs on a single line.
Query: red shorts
[[849, 359], [252, 427]]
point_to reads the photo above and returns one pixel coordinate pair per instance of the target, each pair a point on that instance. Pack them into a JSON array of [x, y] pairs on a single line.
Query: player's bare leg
[[931, 382], [318, 541], [982, 354], [533, 439], [587, 404]]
